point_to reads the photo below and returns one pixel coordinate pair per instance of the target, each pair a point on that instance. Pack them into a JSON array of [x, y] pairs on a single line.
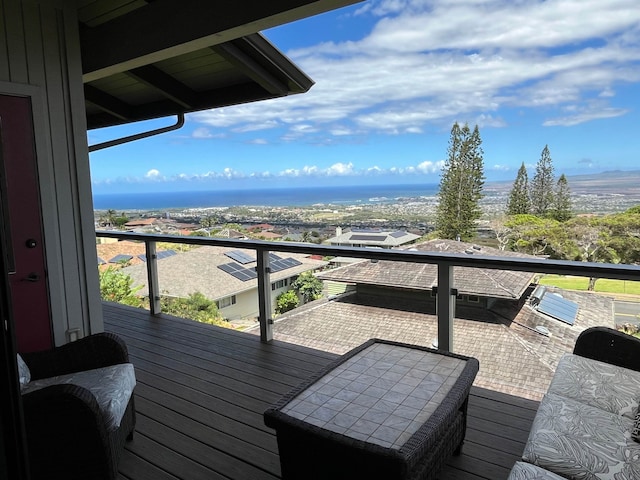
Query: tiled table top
[[382, 395]]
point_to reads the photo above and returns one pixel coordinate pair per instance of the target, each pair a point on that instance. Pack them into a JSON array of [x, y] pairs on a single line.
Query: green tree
[[116, 286], [633, 210], [542, 185], [108, 218], [308, 286], [534, 235], [561, 208], [121, 221], [622, 233], [195, 307], [519, 202], [461, 184], [286, 301], [591, 243]]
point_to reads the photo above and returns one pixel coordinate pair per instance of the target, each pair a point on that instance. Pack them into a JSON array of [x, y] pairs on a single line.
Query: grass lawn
[[603, 285]]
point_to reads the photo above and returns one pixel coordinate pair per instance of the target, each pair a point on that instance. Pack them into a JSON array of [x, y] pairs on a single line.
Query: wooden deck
[[202, 390]]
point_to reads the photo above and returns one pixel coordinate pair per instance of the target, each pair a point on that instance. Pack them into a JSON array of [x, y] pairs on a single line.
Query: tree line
[[544, 197], [462, 181], [539, 218]]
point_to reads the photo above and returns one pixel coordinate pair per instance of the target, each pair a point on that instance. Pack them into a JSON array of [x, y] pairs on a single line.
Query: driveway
[[627, 312]]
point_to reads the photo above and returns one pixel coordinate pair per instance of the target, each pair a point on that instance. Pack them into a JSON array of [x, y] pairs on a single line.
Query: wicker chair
[[68, 435]]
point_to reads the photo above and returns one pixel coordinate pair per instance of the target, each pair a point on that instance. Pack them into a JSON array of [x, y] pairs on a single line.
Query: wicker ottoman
[[384, 410]]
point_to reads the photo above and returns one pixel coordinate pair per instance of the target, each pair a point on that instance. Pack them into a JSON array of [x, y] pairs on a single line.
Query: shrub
[[308, 286], [286, 301], [195, 307], [117, 287]]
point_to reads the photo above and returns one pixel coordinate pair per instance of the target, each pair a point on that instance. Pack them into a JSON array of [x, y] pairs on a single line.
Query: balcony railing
[[445, 303]]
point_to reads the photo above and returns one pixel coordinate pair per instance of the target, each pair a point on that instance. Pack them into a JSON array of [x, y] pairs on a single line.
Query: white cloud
[[430, 167], [585, 116], [426, 63], [202, 132], [153, 174]]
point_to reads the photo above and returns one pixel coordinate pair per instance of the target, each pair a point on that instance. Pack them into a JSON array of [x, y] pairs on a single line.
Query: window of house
[[226, 301], [279, 284], [474, 298]]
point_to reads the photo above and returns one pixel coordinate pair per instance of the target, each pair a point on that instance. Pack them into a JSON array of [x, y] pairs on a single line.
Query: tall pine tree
[[461, 184], [519, 202], [542, 185], [561, 209]]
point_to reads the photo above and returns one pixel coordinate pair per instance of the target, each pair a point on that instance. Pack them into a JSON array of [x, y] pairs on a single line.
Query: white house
[[372, 237], [225, 275]]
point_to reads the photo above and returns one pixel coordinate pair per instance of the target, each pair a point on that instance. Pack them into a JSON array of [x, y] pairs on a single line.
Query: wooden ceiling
[[144, 59]]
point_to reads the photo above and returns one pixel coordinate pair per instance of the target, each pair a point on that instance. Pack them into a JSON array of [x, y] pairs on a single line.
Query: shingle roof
[[513, 358], [415, 276], [197, 270]]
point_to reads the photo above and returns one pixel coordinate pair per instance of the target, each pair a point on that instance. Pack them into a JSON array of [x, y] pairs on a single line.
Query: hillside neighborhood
[[502, 318]]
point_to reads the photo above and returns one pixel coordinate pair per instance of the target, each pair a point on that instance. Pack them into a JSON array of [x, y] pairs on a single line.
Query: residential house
[[371, 237], [225, 275], [475, 287], [498, 318], [139, 223]]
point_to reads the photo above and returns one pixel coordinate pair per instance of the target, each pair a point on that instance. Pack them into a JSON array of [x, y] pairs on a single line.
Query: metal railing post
[[445, 306], [264, 295], [152, 277]]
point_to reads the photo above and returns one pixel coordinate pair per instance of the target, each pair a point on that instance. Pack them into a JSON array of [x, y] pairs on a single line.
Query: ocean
[[274, 197]]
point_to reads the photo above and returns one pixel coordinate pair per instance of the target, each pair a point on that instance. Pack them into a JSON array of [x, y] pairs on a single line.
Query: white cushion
[[112, 386], [24, 373], [602, 385], [527, 471], [581, 442]]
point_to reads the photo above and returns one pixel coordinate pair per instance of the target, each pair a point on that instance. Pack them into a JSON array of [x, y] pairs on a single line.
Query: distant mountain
[[613, 182]]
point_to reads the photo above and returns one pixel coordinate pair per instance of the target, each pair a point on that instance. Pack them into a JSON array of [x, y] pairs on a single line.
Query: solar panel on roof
[[101, 261], [230, 267], [159, 255], [283, 264], [367, 230], [240, 257], [374, 238], [559, 308], [273, 257], [121, 258], [239, 272], [398, 234]]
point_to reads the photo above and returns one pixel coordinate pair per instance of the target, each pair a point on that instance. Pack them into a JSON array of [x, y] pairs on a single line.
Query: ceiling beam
[[165, 84], [107, 103], [232, 52], [223, 97], [168, 28]]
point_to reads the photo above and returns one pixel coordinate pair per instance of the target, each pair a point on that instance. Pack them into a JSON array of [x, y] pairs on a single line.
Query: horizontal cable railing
[[445, 304]]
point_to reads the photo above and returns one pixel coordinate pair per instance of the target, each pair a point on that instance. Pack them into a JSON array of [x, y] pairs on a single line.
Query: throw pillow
[[23, 372], [635, 432]]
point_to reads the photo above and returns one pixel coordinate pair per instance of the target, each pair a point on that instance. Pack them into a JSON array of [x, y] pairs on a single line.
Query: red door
[[21, 202]]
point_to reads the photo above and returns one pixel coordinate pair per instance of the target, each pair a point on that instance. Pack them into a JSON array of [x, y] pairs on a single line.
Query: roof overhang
[[144, 59]]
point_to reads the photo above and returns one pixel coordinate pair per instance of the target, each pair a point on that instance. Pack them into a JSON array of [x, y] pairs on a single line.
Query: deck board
[[202, 391]]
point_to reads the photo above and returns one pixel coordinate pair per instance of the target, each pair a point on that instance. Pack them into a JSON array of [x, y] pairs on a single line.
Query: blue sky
[[391, 78]]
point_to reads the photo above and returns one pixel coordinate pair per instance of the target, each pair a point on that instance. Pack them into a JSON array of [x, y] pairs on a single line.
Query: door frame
[[13, 449], [48, 203]]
